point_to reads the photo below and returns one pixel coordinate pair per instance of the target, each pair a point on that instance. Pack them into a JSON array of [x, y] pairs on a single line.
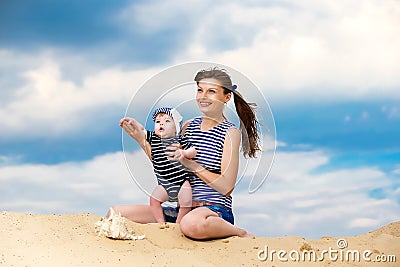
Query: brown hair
[[245, 111]]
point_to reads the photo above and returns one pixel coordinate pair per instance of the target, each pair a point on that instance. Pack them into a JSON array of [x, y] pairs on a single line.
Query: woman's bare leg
[[158, 196], [203, 223], [184, 200], [136, 213]]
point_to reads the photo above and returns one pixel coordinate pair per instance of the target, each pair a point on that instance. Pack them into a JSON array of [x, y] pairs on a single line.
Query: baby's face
[[164, 126]]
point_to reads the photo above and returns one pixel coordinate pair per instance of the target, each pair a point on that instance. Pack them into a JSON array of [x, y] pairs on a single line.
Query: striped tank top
[[170, 174], [209, 146]]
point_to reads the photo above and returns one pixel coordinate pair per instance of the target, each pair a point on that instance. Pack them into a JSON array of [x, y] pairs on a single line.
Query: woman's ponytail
[[248, 125]]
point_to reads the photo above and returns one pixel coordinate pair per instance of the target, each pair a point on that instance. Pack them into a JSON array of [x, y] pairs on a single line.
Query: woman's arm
[[225, 182]]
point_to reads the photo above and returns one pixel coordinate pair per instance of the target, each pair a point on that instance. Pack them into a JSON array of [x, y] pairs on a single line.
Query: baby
[[173, 184]]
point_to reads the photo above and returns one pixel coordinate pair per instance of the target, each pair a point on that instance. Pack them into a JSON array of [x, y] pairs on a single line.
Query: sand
[[70, 240]]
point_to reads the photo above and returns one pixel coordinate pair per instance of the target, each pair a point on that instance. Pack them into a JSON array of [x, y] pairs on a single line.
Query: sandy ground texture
[[70, 240]]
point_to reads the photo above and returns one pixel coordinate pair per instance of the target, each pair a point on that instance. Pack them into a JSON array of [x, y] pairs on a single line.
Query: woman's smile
[[204, 103]]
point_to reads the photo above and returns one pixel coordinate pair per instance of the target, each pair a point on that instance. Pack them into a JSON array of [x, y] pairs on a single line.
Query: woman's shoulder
[[230, 128], [190, 122], [227, 125], [233, 131]]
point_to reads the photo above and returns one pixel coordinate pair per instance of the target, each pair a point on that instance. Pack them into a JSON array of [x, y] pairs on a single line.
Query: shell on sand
[[115, 227]]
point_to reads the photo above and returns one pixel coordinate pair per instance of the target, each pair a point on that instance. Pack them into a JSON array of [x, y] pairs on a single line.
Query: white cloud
[[89, 186], [299, 200], [32, 206], [45, 103], [313, 49], [397, 192], [364, 222], [397, 170], [293, 50]]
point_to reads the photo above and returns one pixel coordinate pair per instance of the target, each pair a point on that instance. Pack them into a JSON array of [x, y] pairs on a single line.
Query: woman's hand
[[175, 152]]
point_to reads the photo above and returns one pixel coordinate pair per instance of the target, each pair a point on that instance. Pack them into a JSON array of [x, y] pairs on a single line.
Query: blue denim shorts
[[222, 212], [171, 213]]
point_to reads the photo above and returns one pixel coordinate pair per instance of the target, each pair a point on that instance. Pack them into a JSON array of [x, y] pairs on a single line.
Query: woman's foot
[[244, 233]]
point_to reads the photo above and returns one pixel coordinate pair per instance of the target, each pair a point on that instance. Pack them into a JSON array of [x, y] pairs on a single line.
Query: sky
[[328, 72]]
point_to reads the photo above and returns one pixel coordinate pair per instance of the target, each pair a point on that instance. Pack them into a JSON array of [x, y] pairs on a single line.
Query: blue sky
[[328, 69]]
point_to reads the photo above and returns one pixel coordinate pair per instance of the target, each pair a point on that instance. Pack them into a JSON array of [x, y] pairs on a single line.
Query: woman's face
[[210, 97]]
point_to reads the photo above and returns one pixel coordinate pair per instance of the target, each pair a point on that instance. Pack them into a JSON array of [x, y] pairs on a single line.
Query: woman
[[215, 167]]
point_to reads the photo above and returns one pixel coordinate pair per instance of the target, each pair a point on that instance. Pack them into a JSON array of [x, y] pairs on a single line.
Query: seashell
[[115, 227]]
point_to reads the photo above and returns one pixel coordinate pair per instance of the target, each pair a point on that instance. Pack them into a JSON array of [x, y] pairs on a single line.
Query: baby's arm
[[133, 128], [137, 132], [189, 153]]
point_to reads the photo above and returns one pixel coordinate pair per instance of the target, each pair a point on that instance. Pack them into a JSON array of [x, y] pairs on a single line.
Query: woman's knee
[[189, 227], [193, 227]]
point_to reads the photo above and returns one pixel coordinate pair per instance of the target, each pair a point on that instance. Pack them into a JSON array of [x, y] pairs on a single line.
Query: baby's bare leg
[[158, 196], [184, 200]]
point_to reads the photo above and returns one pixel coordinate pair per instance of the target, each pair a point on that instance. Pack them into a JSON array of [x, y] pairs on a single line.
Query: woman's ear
[[227, 97]]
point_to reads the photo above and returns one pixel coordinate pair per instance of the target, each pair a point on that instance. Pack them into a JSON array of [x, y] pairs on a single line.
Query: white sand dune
[[70, 240]]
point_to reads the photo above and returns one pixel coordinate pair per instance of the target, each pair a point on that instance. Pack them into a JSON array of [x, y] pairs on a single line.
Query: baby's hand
[[131, 126], [125, 120]]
